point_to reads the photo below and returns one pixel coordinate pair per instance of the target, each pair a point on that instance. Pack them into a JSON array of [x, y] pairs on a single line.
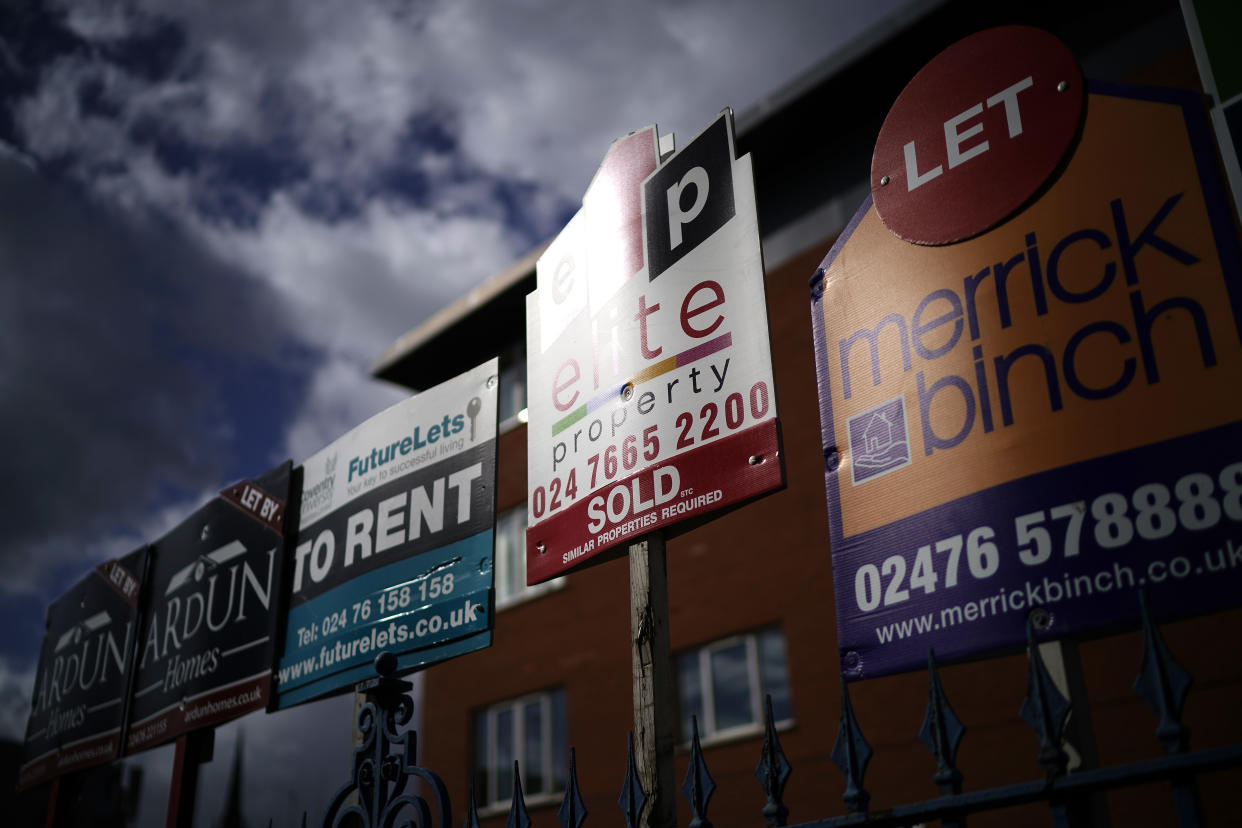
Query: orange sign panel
[[968, 388]]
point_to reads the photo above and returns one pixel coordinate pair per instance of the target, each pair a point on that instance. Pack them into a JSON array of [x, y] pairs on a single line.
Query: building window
[[512, 400], [511, 585], [724, 683], [531, 730]]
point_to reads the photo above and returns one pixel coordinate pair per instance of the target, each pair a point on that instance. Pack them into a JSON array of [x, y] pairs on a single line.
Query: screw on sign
[[976, 134]]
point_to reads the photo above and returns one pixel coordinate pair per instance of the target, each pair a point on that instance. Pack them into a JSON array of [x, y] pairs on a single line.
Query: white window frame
[[513, 390], [708, 731], [492, 801], [512, 523]]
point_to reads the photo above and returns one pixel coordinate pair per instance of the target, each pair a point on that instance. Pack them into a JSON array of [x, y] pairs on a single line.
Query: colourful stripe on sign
[[601, 399], [706, 349], [652, 371], [565, 422], [655, 369], [583, 410]]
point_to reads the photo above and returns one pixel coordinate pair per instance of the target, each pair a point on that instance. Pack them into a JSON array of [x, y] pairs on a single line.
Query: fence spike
[[698, 786], [573, 810], [1045, 710], [633, 797], [942, 732], [518, 818], [773, 769], [851, 753], [472, 810], [1162, 683]]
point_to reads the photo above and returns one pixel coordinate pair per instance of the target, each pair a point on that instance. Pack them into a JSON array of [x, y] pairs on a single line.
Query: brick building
[[751, 607]]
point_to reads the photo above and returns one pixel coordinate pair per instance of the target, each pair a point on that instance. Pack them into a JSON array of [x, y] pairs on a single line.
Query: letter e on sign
[[977, 133], [562, 383]]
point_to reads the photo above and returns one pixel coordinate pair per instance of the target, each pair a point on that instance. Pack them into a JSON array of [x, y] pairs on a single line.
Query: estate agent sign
[[394, 549], [84, 673], [208, 641], [650, 374], [1037, 422]]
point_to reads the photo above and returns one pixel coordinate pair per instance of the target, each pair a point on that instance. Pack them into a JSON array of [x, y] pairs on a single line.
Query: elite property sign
[[650, 372], [394, 550]]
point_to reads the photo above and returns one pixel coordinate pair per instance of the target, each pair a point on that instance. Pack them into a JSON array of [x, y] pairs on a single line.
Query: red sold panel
[[700, 481]]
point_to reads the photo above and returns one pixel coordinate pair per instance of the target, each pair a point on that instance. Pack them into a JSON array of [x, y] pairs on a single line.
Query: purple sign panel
[[1037, 423]]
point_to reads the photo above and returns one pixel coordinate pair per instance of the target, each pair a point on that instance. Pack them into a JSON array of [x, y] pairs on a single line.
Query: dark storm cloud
[[128, 359]]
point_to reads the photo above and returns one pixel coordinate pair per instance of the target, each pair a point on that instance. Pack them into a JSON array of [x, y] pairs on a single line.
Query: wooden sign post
[[193, 749], [653, 680]]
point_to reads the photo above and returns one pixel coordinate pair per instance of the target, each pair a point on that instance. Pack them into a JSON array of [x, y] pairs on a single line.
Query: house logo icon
[[878, 440]]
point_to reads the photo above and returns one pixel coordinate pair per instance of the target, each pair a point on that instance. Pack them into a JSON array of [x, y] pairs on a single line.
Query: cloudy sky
[[214, 214]]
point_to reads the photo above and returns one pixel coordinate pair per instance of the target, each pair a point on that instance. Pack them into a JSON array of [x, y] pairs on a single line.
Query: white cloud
[[537, 89], [16, 691], [558, 81], [353, 285], [335, 403], [101, 19], [57, 103]]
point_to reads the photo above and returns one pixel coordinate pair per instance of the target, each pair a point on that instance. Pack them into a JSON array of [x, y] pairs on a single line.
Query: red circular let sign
[[975, 134]]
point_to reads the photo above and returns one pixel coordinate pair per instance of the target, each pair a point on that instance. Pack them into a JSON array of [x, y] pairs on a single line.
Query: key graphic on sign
[[472, 411]]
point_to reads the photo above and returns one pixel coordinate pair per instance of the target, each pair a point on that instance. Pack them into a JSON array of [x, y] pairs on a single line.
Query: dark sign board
[[85, 669], [394, 549], [207, 645]]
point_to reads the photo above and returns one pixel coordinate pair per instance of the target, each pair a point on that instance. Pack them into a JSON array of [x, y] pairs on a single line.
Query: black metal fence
[[384, 765]]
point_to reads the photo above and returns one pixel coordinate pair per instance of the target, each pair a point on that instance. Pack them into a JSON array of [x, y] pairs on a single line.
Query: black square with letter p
[[689, 198]]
